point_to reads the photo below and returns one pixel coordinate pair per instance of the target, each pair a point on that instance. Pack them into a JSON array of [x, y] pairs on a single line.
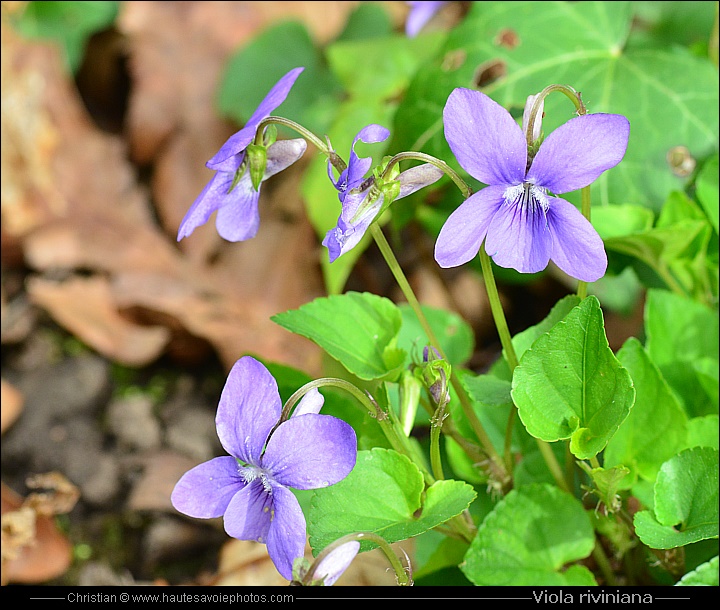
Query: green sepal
[[257, 161]]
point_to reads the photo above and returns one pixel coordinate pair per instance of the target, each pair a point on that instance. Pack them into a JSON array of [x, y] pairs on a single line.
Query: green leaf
[[277, 50], [671, 23], [492, 402], [686, 501], [681, 332], [455, 335], [656, 427], [358, 329], [527, 540], [621, 220], [368, 20], [70, 23], [523, 340], [705, 575], [383, 494], [703, 432], [380, 68], [586, 51], [707, 190], [570, 385]]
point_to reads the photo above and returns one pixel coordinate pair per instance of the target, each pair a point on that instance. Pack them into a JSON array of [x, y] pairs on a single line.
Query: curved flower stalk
[[231, 191], [250, 487], [363, 199], [420, 14], [523, 224]]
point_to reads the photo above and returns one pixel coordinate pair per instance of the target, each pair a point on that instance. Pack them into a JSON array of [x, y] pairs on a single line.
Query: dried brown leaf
[[11, 404], [33, 550], [85, 307]]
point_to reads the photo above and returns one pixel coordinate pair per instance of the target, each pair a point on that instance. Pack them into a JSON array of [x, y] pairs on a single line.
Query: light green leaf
[[680, 332], [707, 190], [656, 427], [357, 329], [383, 494], [380, 68], [570, 385], [492, 402], [620, 220], [69, 23], [455, 335], [703, 432], [524, 339], [686, 501], [705, 574], [529, 537], [274, 52]]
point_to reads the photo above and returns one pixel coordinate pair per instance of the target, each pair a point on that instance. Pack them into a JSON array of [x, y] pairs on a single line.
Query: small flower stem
[[323, 147], [435, 429], [497, 309], [569, 92], [603, 563], [407, 291], [585, 208], [441, 165]]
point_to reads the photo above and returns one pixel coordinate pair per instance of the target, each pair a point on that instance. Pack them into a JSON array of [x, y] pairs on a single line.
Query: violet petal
[[250, 512], [238, 142], [419, 15], [312, 402], [519, 238], [311, 451], [282, 154], [336, 562], [287, 534], [249, 407], [212, 197], [576, 153], [577, 248], [205, 491], [463, 232], [416, 178], [485, 139], [239, 218]]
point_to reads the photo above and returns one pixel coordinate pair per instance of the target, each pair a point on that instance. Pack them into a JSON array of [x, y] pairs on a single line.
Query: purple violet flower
[[420, 14], [362, 199], [524, 226], [237, 206], [250, 488]]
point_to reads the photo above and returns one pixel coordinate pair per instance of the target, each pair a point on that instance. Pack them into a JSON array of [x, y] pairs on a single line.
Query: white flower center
[[528, 196], [251, 473]]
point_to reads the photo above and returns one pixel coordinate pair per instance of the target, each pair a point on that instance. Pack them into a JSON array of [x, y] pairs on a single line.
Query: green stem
[[323, 147], [407, 291], [435, 429], [603, 563], [441, 165], [585, 208], [552, 463], [497, 310]]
